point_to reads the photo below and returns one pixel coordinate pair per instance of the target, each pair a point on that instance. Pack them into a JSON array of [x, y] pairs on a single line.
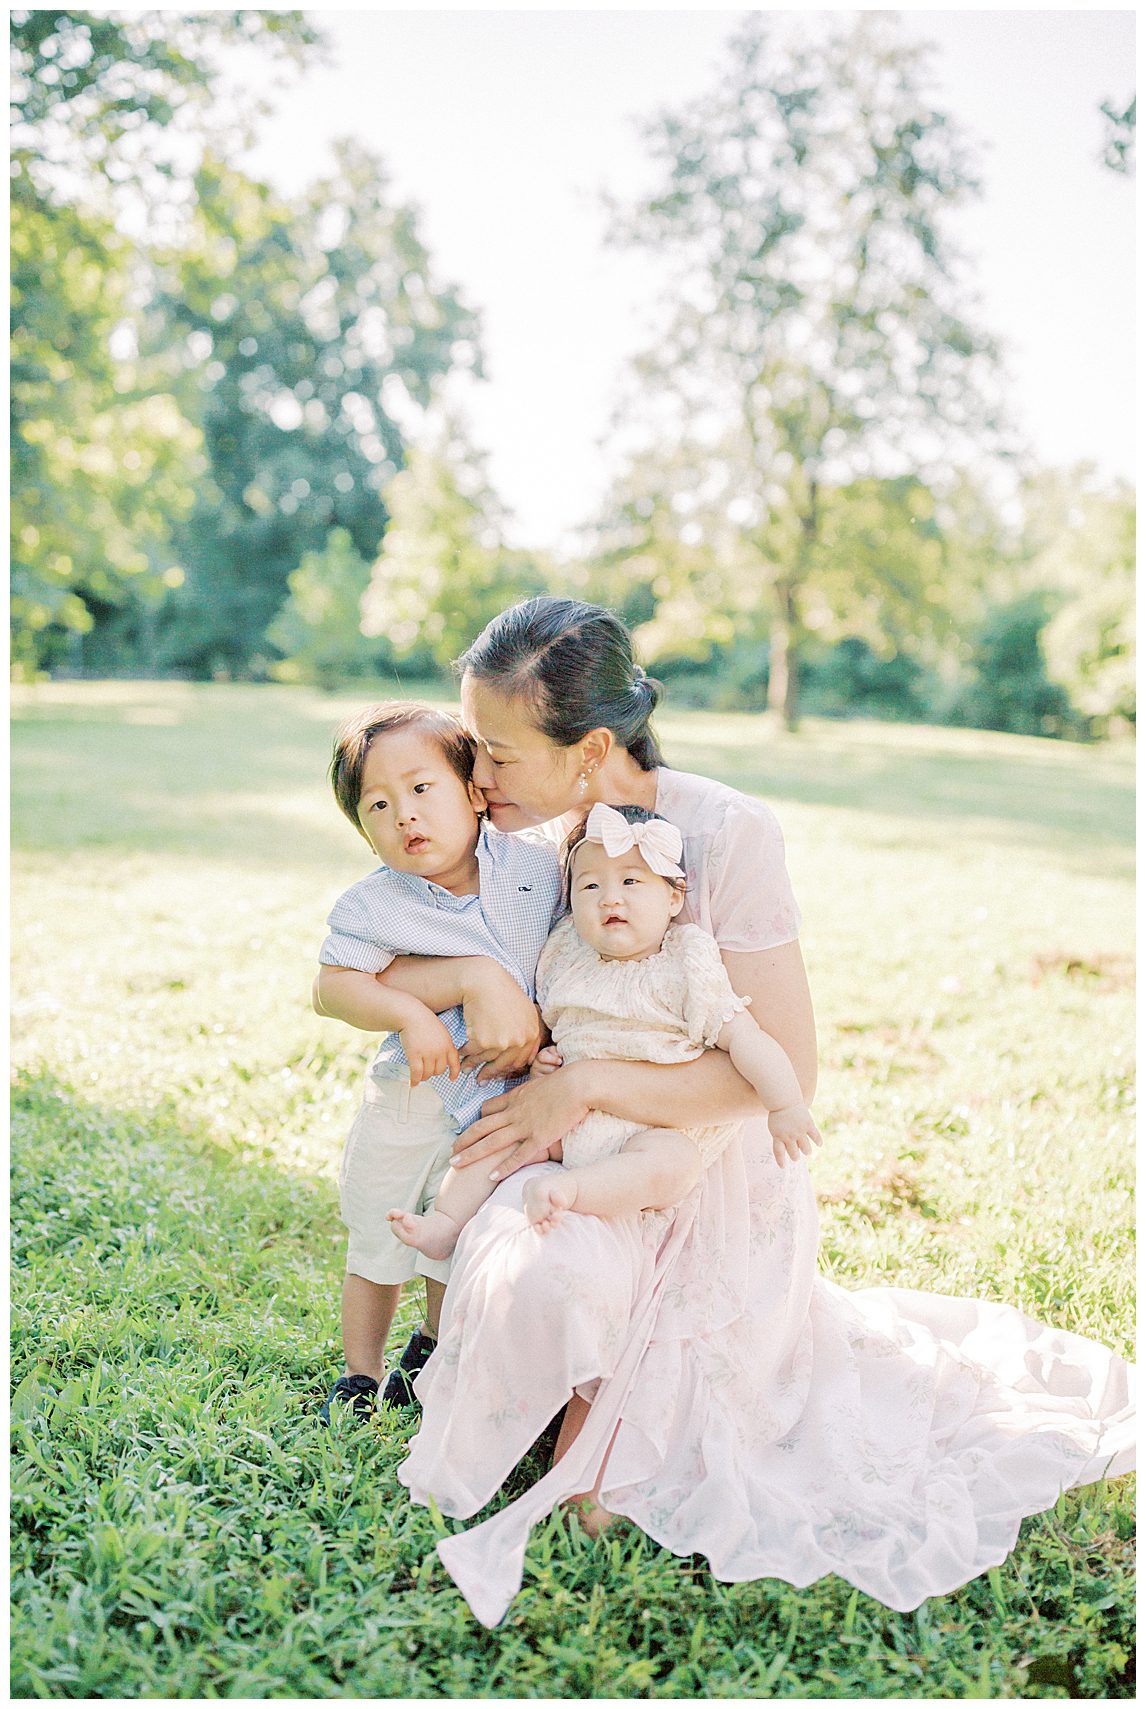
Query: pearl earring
[[582, 783]]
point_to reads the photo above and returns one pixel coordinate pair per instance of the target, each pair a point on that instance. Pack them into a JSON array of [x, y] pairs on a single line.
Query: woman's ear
[[477, 798], [595, 749]]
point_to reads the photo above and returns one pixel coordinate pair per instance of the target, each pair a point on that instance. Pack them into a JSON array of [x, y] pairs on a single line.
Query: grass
[[182, 1529]]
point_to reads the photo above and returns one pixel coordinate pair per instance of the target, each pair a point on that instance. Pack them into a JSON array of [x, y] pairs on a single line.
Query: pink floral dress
[[743, 1406]]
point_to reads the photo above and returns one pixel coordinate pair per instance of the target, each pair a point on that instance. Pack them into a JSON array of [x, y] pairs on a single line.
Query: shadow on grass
[[239, 772], [181, 1528]]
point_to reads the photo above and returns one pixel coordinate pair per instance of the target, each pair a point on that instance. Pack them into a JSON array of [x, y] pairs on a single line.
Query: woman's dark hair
[[632, 815], [573, 665], [352, 744]]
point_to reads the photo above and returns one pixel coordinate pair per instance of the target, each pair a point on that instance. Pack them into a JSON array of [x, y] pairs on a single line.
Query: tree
[[97, 461], [319, 629], [445, 568], [1078, 543], [312, 335], [817, 331], [102, 458], [672, 556], [1006, 686]]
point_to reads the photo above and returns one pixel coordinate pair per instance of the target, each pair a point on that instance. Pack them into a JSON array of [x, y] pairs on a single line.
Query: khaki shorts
[[395, 1157]]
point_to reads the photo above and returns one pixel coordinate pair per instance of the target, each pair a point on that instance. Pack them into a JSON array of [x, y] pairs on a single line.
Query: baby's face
[[417, 813], [621, 908]]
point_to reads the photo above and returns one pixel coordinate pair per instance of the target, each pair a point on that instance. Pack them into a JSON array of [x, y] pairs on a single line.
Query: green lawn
[[183, 1529]]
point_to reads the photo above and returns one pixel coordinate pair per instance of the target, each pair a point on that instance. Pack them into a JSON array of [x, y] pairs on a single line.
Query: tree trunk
[[784, 651], [783, 660]]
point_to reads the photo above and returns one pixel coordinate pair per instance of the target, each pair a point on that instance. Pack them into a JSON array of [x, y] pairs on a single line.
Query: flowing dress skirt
[[744, 1407]]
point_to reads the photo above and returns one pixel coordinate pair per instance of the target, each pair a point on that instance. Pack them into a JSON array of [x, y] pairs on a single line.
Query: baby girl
[[616, 979]]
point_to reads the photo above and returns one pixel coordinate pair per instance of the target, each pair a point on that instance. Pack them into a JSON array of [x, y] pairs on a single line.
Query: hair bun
[[650, 688]]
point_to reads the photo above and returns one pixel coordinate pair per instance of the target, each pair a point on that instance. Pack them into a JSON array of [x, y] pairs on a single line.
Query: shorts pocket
[[352, 1138]]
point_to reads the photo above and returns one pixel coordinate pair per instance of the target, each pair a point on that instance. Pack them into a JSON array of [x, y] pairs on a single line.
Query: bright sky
[[504, 127]]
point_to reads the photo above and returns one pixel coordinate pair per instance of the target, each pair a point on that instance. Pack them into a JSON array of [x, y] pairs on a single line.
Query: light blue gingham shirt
[[397, 913]]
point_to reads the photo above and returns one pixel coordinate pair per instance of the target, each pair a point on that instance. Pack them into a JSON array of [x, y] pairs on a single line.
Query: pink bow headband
[[659, 844]]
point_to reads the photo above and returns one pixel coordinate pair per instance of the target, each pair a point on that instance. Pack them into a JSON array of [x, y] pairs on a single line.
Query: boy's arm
[[504, 1029], [344, 994], [361, 1000]]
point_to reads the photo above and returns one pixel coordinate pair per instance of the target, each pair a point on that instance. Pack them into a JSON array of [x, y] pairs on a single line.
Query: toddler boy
[[450, 885]]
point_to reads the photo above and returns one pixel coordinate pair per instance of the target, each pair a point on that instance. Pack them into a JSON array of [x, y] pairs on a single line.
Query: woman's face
[[526, 778]]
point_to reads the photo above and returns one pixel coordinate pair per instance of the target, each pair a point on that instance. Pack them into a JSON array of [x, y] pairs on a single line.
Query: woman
[[722, 1394]]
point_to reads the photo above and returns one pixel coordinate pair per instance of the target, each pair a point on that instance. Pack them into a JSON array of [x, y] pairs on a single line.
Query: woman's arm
[[777, 983], [687, 1094], [695, 1094]]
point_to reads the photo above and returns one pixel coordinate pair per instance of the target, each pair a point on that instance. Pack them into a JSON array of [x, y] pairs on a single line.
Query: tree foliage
[[319, 628], [819, 332], [102, 457], [445, 567], [311, 335], [208, 379], [1079, 544]]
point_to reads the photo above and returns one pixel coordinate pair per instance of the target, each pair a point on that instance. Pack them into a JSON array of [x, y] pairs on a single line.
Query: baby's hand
[[547, 1059], [429, 1048], [793, 1132]]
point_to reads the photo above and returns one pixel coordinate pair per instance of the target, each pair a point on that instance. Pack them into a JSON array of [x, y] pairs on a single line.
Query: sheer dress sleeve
[[751, 904]]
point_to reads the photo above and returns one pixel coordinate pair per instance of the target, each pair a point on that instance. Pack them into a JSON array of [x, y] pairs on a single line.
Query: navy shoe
[[360, 1391], [399, 1390]]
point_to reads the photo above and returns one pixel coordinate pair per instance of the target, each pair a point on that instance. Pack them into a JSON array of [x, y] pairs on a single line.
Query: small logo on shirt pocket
[[525, 887]]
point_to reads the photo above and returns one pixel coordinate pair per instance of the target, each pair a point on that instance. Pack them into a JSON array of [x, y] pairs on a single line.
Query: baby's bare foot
[[434, 1235], [546, 1198]]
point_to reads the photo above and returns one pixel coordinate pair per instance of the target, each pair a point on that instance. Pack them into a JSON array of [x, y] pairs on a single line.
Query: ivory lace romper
[[667, 1007]]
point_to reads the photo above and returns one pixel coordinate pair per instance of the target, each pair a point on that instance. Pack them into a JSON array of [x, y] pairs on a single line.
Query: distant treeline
[[233, 456]]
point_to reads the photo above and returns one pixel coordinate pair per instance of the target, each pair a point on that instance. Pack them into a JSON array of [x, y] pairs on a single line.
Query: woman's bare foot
[[546, 1198], [434, 1235], [593, 1518]]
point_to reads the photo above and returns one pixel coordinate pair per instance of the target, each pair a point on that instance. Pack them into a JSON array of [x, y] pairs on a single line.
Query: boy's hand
[[794, 1132], [429, 1048], [504, 1029], [547, 1059]]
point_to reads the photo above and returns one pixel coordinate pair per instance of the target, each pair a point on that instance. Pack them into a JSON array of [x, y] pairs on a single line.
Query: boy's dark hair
[[572, 663], [631, 816], [352, 744]]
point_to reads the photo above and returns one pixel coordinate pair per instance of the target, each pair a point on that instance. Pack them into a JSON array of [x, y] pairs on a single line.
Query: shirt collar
[[413, 885]]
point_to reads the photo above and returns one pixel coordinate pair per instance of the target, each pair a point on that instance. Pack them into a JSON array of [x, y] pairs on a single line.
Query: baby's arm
[[345, 994], [760, 1060]]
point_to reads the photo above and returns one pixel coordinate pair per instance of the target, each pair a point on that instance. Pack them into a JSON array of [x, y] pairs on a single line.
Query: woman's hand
[[504, 1029], [524, 1123]]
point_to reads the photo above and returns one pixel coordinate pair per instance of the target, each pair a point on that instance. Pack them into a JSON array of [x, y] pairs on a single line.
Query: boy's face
[[414, 808], [620, 907]]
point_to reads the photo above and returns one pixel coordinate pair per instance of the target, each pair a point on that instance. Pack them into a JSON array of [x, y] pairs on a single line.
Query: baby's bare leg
[[460, 1196], [653, 1170]]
